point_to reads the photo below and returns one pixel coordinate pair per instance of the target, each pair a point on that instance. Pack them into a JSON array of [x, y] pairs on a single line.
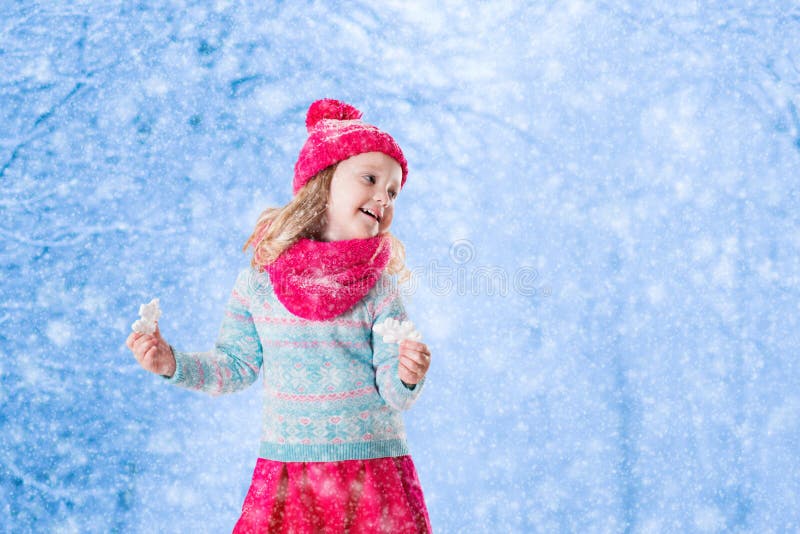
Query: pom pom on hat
[[328, 108], [336, 133]]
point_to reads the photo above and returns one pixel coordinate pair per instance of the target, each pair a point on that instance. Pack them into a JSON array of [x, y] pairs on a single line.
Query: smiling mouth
[[371, 215]]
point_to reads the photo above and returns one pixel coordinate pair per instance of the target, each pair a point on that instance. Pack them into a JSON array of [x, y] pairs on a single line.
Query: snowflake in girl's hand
[[393, 331], [149, 314]]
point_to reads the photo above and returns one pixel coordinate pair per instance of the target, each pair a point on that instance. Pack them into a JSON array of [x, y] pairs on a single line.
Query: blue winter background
[[601, 212]]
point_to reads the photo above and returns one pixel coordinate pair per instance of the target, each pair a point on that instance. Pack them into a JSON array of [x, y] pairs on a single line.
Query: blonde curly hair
[[304, 217]]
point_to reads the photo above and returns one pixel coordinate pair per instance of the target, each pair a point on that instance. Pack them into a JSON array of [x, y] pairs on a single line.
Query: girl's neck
[[329, 237]]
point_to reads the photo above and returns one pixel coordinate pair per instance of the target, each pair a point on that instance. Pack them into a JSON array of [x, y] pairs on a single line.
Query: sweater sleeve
[[235, 361], [386, 356]]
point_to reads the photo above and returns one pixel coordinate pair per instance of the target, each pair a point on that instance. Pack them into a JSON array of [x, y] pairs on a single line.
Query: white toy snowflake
[[149, 314], [393, 331]]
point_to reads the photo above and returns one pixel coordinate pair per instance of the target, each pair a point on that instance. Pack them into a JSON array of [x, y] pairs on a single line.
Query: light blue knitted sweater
[[331, 388]]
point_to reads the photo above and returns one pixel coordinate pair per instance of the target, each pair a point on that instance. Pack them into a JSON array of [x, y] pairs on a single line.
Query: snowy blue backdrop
[[601, 212]]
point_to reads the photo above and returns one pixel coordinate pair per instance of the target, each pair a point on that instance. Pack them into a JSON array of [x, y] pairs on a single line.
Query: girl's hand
[[152, 352], [415, 358]]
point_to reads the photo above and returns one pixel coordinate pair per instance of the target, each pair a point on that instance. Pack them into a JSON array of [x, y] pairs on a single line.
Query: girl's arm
[[236, 358], [386, 356]]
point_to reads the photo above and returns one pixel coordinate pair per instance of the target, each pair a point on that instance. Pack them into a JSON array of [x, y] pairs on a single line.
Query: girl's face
[[365, 182]]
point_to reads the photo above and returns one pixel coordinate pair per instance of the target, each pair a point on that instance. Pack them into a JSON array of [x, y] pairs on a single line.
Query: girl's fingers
[[132, 339], [411, 371], [413, 365], [417, 366], [145, 340], [421, 357], [419, 363], [147, 348], [415, 345]]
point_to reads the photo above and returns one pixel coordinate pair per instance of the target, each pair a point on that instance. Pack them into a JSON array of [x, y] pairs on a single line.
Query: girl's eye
[[371, 178]]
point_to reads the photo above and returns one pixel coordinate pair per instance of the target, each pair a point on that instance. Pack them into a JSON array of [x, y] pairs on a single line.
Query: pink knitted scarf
[[319, 280]]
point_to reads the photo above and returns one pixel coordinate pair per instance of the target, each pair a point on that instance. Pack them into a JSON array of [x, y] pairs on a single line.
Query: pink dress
[[354, 496]]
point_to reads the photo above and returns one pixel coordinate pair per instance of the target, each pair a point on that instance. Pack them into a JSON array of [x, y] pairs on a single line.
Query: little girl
[[333, 455]]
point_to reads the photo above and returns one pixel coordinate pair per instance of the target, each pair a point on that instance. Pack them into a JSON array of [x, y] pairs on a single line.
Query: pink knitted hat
[[335, 133]]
